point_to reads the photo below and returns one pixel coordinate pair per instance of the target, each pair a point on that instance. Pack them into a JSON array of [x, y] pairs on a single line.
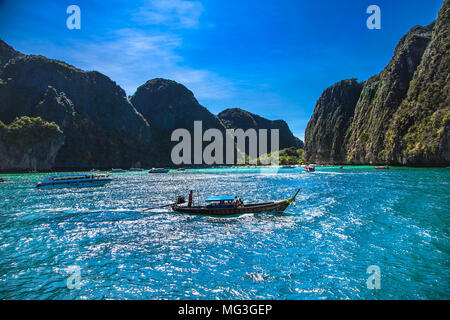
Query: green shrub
[[27, 130]]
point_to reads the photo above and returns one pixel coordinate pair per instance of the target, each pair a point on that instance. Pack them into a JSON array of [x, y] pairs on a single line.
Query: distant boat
[[309, 168], [159, 170], [223, 206], [94, 170], [74, 181], [136, 169], [118, 170], [181, 169], [382, 167]]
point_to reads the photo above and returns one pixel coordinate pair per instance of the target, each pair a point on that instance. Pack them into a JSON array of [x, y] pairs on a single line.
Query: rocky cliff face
[[420, 130], [167, 106], [401, 115], [101, 126], [7, 53], [381, 97], [237, 118], [333, 114], [29, 143]]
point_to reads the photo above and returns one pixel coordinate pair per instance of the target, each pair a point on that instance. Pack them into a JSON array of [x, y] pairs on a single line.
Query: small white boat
[[136, 169], [309, 168], [74, 181], [118, 170], [159, 170]]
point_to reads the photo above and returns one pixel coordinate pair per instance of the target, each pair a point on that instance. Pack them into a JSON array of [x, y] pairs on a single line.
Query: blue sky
[[273, 58]]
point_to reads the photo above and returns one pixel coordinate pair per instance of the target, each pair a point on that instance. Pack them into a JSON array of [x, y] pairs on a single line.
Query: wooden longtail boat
[[272, 206]]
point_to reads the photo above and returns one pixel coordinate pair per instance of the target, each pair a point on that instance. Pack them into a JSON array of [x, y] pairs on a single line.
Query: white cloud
[[173, 13], [131, 57]]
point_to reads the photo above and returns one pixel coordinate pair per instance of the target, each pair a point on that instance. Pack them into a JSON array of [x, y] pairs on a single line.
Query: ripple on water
[[343, 221]]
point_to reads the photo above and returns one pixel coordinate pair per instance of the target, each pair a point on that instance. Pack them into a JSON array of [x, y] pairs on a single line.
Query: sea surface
[[344, 221]]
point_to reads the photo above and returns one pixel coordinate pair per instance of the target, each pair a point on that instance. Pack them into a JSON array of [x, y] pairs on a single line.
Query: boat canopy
[[69, 175], [225, 198], [64, 177]]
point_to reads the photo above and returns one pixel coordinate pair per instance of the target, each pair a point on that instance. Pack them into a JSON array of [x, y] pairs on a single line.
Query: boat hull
[[74, 184], [159, 171], [274, 206]]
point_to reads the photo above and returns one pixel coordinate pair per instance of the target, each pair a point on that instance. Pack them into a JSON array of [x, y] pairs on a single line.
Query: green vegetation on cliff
[[27, 130], [401, 116], [420, 131], [29, 143], [287, 156]]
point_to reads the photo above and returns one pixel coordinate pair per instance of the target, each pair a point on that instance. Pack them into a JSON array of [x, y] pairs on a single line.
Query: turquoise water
[[344, 221]]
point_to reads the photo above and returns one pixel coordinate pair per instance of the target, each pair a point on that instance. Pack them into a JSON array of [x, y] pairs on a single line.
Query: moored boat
[[118, 170], [381, 167], [74, 181], [309, 168], [224, 206], [158, 170], [136, 169]]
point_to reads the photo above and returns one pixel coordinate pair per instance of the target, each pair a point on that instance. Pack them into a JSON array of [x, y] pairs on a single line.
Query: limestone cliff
[[167, 106], [29, 144], [381, 97], [401, 116], [420, 130], [333, 114], [237, 118], [101, 126]]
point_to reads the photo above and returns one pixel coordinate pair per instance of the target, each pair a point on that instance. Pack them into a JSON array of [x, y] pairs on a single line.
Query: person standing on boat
[[191, 196], [236, 202]]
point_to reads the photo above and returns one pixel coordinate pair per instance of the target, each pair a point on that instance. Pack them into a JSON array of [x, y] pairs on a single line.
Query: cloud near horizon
[[172, 13], [132, 56]]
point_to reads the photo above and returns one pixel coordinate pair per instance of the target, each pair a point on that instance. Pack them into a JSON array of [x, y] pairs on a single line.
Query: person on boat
[[236, 202], [191, 196]]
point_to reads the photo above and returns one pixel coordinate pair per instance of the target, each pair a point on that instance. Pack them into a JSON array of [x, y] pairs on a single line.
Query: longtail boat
[[219, 206]]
